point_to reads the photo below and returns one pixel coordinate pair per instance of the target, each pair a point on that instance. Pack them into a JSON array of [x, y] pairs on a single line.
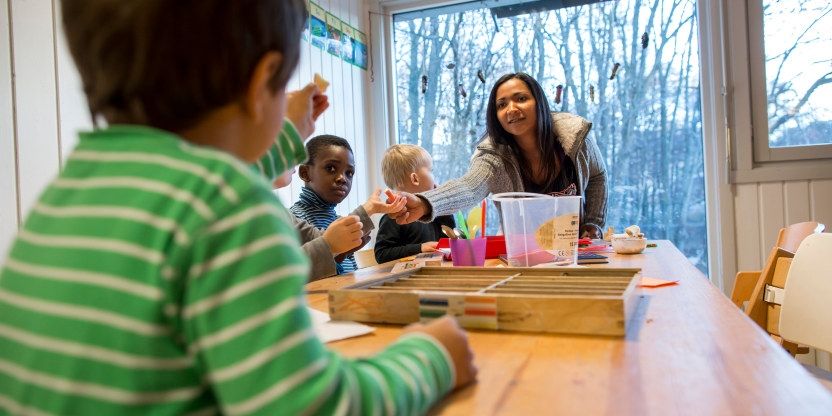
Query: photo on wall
[[347, 39], [317, 26], [359, 52], [333, 27], [305, 33]]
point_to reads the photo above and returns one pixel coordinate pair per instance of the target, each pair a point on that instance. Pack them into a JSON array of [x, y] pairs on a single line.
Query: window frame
[[751, 159], [716, 117]]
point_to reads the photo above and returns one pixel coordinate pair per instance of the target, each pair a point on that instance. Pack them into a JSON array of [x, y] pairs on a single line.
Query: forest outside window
[[629, 66], [791, 79]]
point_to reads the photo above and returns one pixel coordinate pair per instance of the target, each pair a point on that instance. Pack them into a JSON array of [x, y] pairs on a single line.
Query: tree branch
[[826, 79]]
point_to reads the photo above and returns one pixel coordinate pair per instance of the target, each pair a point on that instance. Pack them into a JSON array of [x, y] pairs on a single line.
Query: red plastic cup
[[468, 252]]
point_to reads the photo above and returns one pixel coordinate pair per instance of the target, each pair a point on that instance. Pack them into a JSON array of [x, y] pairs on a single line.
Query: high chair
[[764, 301], [806, 311], [788, 239]]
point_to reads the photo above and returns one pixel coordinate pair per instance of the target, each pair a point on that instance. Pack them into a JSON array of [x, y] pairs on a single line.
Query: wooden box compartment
[[577, 300]]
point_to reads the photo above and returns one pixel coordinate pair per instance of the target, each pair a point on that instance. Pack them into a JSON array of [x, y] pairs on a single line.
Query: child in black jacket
[[408, 168]]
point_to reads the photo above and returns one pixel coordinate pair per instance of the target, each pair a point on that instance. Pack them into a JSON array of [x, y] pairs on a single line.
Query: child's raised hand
[[303, 107], [448, 333], [375, 205], [344, 234], [429, 247]]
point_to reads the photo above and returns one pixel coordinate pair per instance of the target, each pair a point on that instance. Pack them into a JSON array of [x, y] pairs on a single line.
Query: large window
[[646, 114], [790, 41]]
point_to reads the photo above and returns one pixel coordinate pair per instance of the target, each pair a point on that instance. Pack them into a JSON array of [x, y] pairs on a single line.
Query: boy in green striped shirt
[[158, 274]]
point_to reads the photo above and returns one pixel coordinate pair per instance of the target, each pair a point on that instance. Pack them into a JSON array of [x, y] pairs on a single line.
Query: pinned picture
[[333, 27], [359, 52], [305, 33], [347, 40], [317, 26]]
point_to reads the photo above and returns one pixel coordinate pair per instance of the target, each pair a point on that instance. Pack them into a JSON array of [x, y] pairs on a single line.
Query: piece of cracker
[[322, 83]]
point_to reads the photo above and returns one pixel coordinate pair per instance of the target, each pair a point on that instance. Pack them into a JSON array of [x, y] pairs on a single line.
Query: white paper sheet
[[329, 330]]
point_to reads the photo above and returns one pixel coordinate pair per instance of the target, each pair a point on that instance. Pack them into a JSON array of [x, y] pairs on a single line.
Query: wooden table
[[689, 351]]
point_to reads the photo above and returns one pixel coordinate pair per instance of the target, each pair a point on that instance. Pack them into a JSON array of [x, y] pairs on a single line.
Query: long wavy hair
[[547, 142]]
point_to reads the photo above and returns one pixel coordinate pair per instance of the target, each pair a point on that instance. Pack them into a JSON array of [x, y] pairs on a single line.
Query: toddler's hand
[[429, 247], [344, 234], [374, 204], [448, 333]]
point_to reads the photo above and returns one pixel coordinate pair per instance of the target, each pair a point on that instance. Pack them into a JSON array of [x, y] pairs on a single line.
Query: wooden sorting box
[[561, 300]]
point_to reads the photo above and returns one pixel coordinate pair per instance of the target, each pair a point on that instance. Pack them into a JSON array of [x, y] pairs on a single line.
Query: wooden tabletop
[[689, 350]]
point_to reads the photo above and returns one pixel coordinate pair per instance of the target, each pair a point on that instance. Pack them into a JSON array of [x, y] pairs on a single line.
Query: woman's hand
[[414, 209], [592, 231]]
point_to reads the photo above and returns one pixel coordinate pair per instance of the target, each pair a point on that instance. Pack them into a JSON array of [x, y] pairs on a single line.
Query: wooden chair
[[806, 311], [788, 239]]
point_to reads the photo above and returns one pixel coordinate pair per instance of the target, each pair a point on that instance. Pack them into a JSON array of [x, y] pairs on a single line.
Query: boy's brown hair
[[400, 160], [166, 64]]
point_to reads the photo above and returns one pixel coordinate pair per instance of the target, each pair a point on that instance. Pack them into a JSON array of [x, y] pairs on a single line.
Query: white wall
[[8, 170], [348, 92], [42, 105], [763, 208]]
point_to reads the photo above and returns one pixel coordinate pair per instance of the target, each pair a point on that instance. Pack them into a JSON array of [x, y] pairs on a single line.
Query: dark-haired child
[[158, 274], [326, 247], [327, 175]]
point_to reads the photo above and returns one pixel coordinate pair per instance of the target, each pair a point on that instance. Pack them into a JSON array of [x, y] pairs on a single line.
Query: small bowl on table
[[628, 245]]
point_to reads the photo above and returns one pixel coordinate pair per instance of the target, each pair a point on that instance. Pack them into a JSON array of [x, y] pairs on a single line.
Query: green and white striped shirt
[[158, 277]]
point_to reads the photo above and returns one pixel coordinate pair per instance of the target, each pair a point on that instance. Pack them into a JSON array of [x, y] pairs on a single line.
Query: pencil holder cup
[[468, 252]]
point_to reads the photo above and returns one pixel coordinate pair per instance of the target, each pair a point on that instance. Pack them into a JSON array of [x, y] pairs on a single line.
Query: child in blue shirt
[[327, 175]]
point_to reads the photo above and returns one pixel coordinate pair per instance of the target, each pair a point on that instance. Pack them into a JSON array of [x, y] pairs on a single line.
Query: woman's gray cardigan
[[494, 170]]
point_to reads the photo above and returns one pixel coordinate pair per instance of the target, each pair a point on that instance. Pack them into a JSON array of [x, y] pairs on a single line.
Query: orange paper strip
[[653, 282]]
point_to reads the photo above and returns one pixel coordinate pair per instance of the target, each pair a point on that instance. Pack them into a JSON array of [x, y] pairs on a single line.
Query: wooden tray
[[562, 300]]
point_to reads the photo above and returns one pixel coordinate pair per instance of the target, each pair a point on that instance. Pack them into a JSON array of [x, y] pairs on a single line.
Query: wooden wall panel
[[36, 107], [73, 113], [746, 218], [347, 92], [358, 100], [8, 171], [772, 214], [796, 200], [821, 202]]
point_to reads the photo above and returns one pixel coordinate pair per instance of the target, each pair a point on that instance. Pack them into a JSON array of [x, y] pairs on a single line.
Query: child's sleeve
[[316, 249], [245, 322], [286, 152]]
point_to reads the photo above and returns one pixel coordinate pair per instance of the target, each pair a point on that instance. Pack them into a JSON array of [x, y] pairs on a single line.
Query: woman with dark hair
[[527, 148]]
